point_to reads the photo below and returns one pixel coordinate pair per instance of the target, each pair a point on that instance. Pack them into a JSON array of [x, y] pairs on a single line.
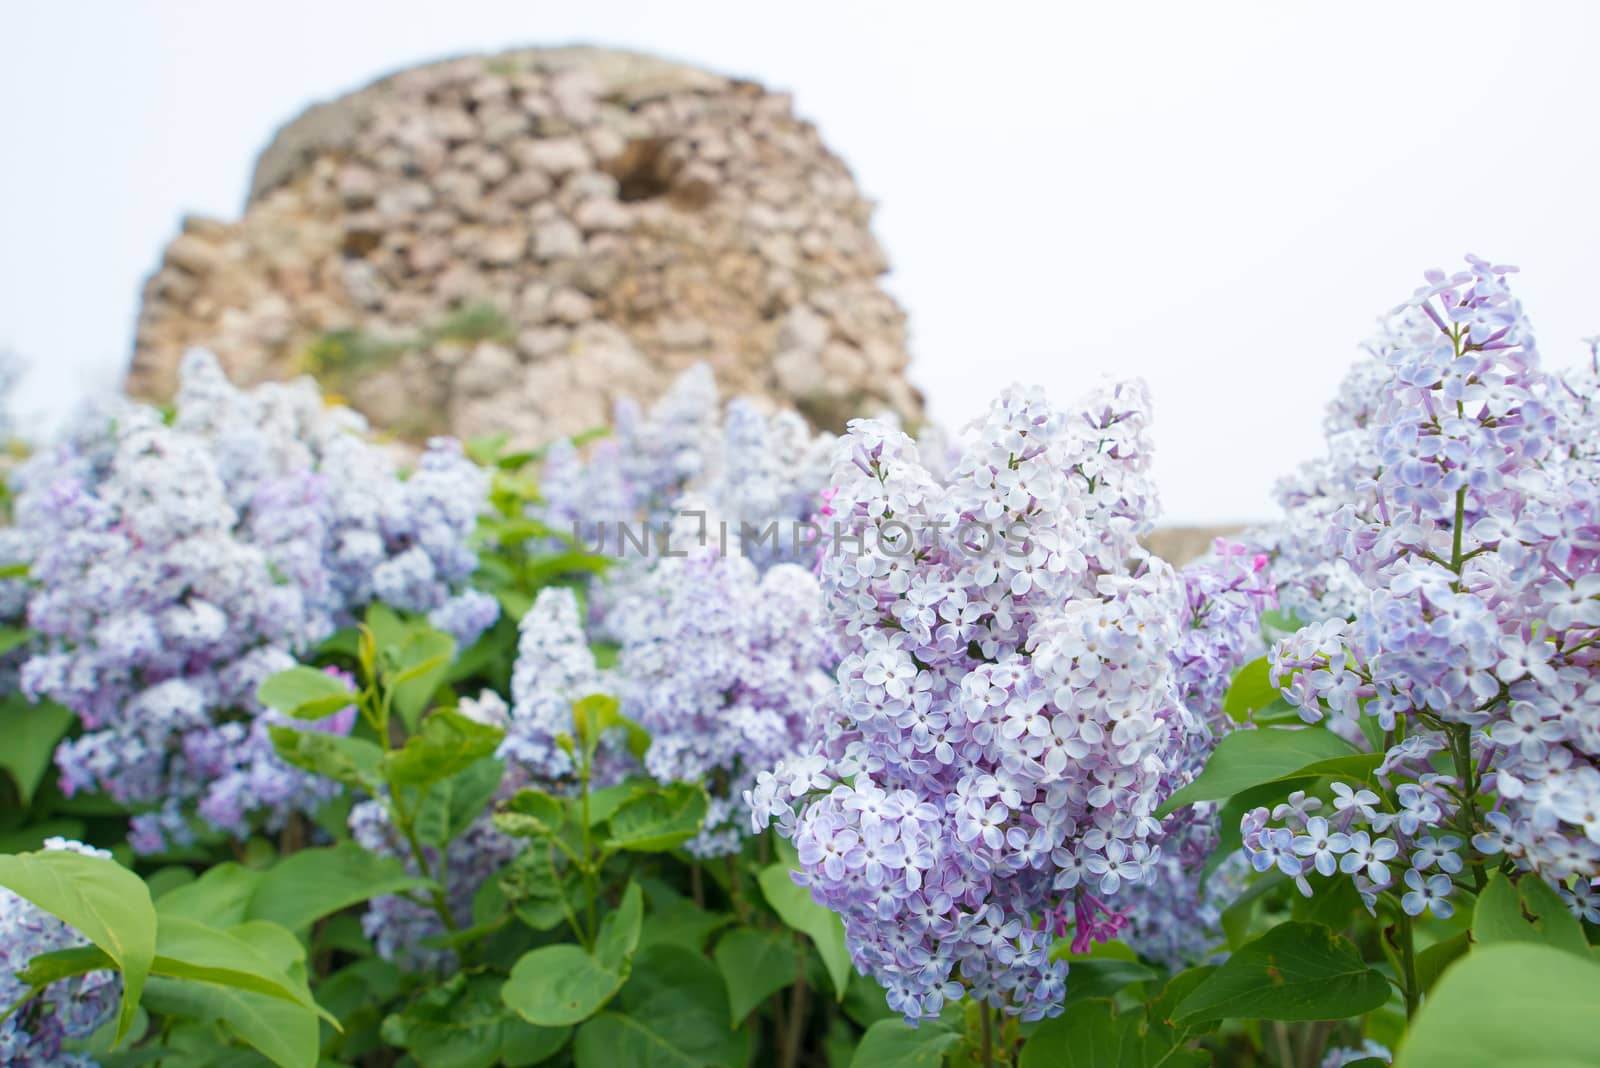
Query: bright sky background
[[1218, 197]]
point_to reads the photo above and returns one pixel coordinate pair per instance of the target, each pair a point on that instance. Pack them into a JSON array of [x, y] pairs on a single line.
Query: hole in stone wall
[[643, 169]]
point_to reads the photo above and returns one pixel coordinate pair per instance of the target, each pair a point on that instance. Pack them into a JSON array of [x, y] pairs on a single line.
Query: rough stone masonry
[[510, 242]]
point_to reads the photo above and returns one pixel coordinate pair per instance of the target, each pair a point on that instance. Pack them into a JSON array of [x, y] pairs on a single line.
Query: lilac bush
[[176, 567]]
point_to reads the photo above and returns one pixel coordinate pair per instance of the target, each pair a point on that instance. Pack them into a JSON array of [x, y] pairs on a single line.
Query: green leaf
[[305, 693], [283, 1032], [31, 732], [1092, 1034], [422, 666], [1432, 961], [389, 633], [1251, 757], [1163, 1009], [14, 638], [755, 964], [560, 985], [60, 964], [351, 761], [1100, 978], [557, 986], [1296, 971], [1526, 911], [606, 800], [896, 1044], [676, 919], [598, 713], [531, 814], [313, 883], [1509, 1005], [794, 906], [464, 1024], [105, 902], [660, 820], [448, 744], [220, 897], [535, 888], [189, 950], [454, 804], [673, 1013], [1250, 690], [619, 931]]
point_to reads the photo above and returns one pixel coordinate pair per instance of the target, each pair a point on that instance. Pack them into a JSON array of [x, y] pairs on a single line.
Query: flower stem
[[1408, 962], [986, 1023]]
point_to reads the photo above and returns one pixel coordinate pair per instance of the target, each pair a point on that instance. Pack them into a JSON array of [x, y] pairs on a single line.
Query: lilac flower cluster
[[175, 567], [719, 662], [402, 926], [70, 1008], [1176, 918], [1462, 496], [741, 700], [554, 668], [1008, 716], [745, 470], [720, 645]]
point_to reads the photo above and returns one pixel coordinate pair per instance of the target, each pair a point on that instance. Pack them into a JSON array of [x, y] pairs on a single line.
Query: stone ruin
[[510, 243]]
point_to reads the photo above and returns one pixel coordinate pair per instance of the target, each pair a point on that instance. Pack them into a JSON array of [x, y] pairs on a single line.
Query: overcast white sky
[[1218, 197]]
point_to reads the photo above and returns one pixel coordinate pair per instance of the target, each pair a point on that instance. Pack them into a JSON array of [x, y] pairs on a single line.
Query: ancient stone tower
[[508, 243]]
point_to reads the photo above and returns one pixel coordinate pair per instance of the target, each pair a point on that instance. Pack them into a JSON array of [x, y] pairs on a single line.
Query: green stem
[[986, 1025], [798, 996], [436, 893], [591, 889], [1408, 963], [1285, 1050], [741, 907]]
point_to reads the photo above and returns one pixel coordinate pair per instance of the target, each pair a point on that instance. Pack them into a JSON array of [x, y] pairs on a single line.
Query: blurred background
[[1218, 198]]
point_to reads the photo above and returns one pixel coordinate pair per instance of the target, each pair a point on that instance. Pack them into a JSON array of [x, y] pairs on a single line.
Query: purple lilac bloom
[[1446, 559], [1008, 715], [176, 567], [1177, 917]]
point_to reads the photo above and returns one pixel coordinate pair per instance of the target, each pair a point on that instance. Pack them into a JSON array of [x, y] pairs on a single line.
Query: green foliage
[[1093, 1034], [305, 693], [658, 820], [673, 1012], [794, 906], [1250, 758], [755, 964], [1296, 971], [1509, 1005], [896, 1044], [31, 734], [313, 883], [1526, 911], [561, 985], [465, 1024], [448, 744]]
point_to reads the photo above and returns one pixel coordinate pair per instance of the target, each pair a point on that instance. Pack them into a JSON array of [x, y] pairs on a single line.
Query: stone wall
[[508, 243]]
